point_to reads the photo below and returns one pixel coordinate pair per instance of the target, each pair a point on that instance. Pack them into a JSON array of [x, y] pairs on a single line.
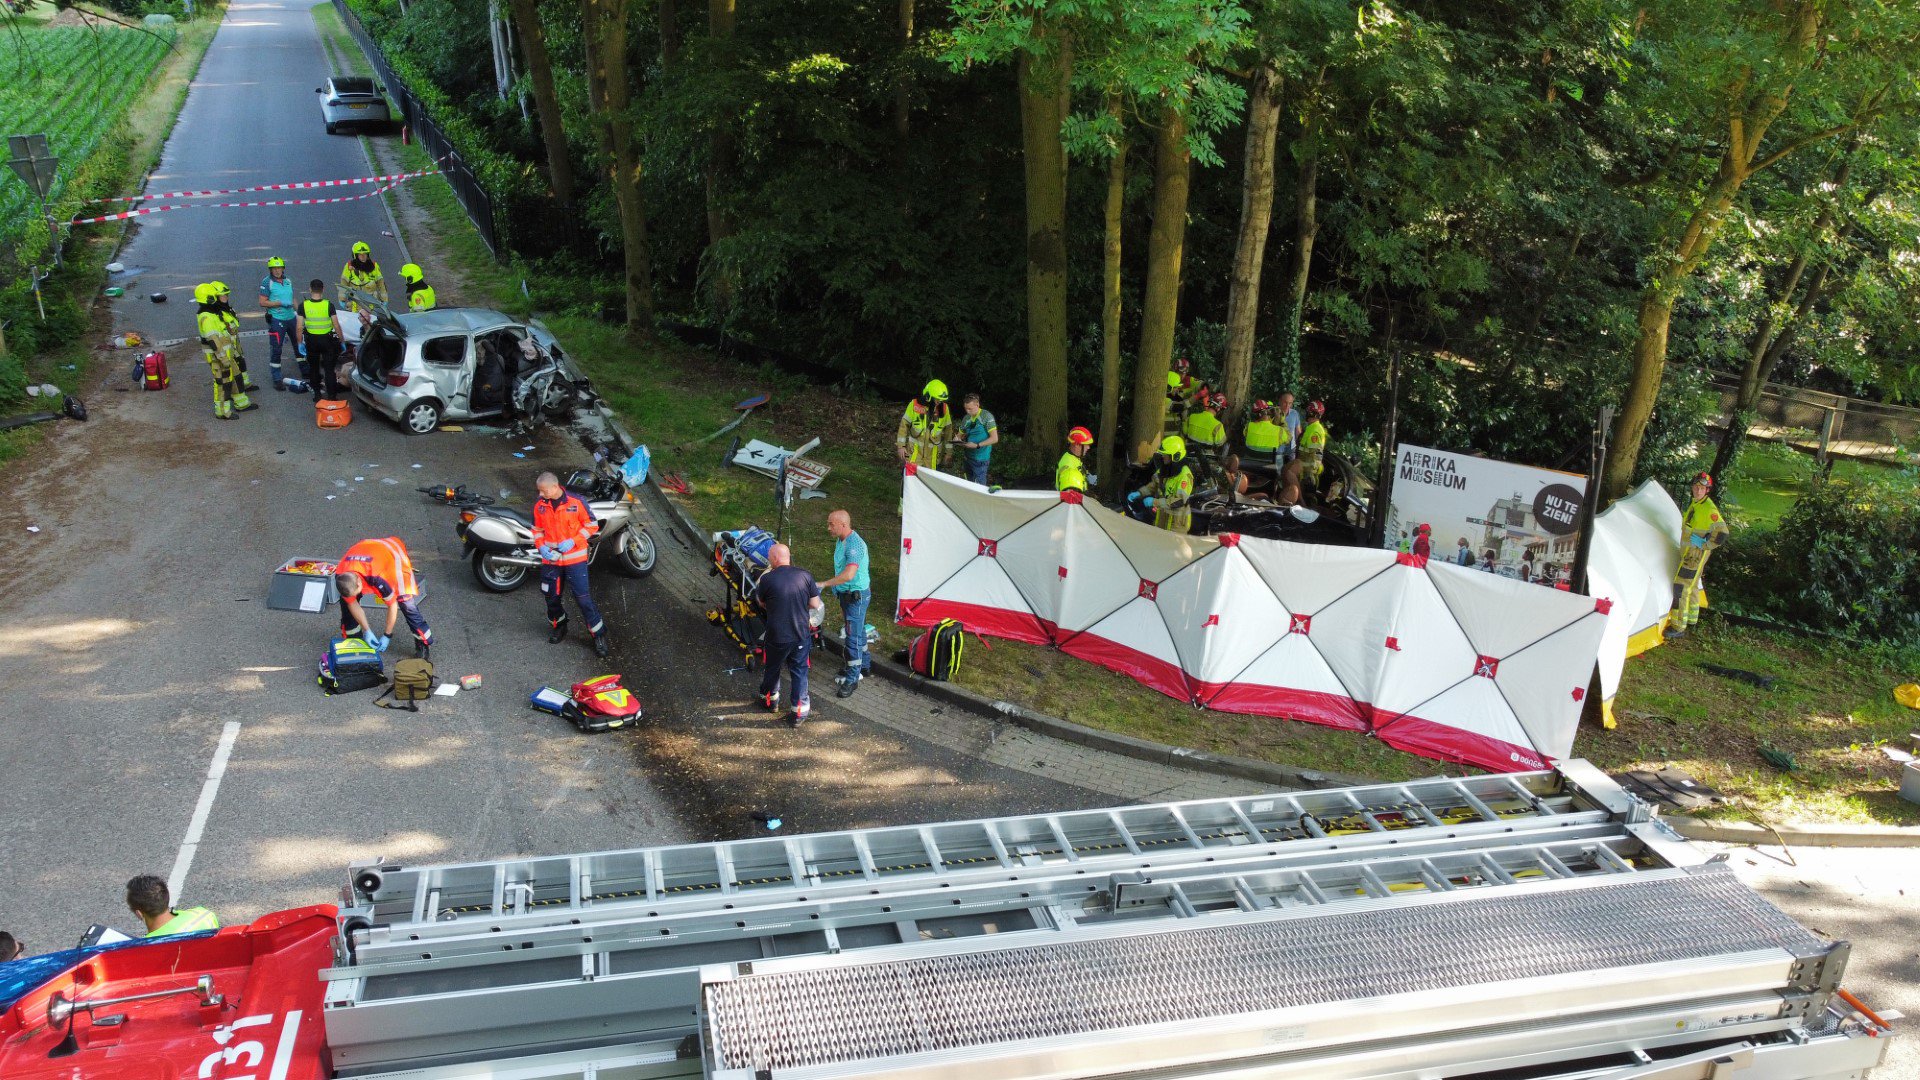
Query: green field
[[72, 84]]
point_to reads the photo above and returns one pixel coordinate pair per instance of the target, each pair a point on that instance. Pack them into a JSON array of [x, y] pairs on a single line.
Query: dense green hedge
[[1845, 559]]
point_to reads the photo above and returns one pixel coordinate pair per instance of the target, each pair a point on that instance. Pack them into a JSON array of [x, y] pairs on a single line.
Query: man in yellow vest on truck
[[1167, 492], [1071, 472], [923, 427], [361, 280], [147, 897], [1264, 436], [1313, 447], [218, 346], [1702, 531]]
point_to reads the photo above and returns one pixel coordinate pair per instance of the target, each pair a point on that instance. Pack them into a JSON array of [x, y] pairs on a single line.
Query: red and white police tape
[[124, 214], [296, 185]]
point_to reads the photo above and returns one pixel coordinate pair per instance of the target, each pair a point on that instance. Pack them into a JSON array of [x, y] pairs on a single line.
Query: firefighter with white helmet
[[923, 427]]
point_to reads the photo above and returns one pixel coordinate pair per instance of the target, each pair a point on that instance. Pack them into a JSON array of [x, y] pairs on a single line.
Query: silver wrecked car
[[423, 368], [353, 99]]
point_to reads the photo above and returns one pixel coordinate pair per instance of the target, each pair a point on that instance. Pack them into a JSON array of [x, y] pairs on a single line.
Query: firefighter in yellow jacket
[[1702, 531], [218, 345], [1171, 485], [923, 427], [361, 278], [1313, 448]]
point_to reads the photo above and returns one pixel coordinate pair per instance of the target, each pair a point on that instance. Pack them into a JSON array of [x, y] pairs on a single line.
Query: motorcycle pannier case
[[332, 414], [493, 535], [936, 652], [350, 664]]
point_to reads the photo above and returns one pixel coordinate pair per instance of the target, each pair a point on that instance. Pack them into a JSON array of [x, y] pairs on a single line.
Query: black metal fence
[[466, 186]]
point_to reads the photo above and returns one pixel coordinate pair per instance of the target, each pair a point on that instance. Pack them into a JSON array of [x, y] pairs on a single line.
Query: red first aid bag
[[153, 371], [603, 704]]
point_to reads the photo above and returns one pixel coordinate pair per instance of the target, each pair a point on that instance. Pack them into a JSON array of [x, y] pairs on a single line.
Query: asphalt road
[[135, 628]]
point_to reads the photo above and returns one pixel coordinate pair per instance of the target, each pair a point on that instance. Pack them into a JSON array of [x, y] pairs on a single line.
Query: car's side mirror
[[319, 90]]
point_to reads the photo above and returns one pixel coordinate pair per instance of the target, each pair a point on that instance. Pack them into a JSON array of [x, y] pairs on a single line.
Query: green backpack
[[413, 683]]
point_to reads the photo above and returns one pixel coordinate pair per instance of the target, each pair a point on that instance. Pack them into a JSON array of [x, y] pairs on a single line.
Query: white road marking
[[184, 861]]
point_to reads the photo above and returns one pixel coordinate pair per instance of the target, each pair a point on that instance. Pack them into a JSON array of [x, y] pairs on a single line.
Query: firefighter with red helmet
[[1702, 531], [1182, 392], [1070, 474]]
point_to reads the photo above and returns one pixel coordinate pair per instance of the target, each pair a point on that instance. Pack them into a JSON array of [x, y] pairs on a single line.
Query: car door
[[447, 363]]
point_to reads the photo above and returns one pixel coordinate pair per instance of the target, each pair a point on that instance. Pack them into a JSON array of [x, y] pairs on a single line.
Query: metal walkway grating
[[795, 1019]]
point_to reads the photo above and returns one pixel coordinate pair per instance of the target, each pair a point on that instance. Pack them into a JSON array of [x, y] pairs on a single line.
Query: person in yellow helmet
[[360, 279], [1313, 448], [1702, 531], [1167, 491], [225, 296], [218, 346], [419, 293], [1070, 474], [1183, 391], [923, 427]]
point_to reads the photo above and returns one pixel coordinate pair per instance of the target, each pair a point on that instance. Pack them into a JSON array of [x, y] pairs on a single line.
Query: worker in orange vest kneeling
[[380, 568]]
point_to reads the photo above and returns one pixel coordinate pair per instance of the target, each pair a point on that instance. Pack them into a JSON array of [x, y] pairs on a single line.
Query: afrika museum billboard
[[1513, 520]]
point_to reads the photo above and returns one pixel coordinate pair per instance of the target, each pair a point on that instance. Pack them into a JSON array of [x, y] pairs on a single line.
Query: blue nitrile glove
[[378, 642], [564, 545], [1133, 496], [1697, 541], [300, 348], [1147, 502], [549, 552]]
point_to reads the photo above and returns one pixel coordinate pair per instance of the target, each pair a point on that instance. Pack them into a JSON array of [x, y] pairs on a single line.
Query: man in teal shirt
[[976, 436], [276, 299], [852, 584]]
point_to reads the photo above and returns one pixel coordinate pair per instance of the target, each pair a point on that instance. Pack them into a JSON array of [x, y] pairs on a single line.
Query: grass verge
[[1831, 708], [134, 147]]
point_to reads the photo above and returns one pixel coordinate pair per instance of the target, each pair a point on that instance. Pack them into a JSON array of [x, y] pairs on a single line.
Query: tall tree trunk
[[1770, 343], [903, 86], [721, 16], [1752, 112], [1159, 305], [1043, 109], [1769, 340], [546, 101], [609, 95], [1250, 249], [1306, 226], [669, 32], [1110, 309]]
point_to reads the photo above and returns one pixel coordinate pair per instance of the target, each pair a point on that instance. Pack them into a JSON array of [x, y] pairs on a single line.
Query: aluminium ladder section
[[1436, 984], [554, 989], [583, 887], [460, 986]]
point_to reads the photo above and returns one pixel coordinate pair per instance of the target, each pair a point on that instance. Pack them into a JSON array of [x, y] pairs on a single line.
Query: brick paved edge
[[1066, 731], [1805, 835]]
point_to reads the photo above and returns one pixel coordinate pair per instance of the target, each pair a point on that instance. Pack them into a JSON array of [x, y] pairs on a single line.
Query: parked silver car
[[422, 368], [353, 99]]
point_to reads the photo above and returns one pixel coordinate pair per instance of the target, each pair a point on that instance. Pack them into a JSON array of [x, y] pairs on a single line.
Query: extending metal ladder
[[674, 962]]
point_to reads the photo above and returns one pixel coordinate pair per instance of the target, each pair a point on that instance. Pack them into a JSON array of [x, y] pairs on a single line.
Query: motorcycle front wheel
[[495, 575], [636, 554]]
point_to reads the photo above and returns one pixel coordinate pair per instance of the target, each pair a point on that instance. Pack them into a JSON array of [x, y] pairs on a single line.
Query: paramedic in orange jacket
[[380, 569], [563, 524]]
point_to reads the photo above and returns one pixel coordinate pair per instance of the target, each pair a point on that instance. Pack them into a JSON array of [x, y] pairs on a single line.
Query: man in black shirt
[[789, 596]]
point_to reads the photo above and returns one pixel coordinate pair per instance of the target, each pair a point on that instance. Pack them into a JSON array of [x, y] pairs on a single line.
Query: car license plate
[[357, 106]]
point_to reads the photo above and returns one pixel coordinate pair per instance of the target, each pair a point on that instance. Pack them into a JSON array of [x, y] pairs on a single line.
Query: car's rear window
[[352, 84]]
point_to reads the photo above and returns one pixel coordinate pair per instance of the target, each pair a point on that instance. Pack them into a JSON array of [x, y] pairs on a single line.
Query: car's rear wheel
[[421, 417]]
